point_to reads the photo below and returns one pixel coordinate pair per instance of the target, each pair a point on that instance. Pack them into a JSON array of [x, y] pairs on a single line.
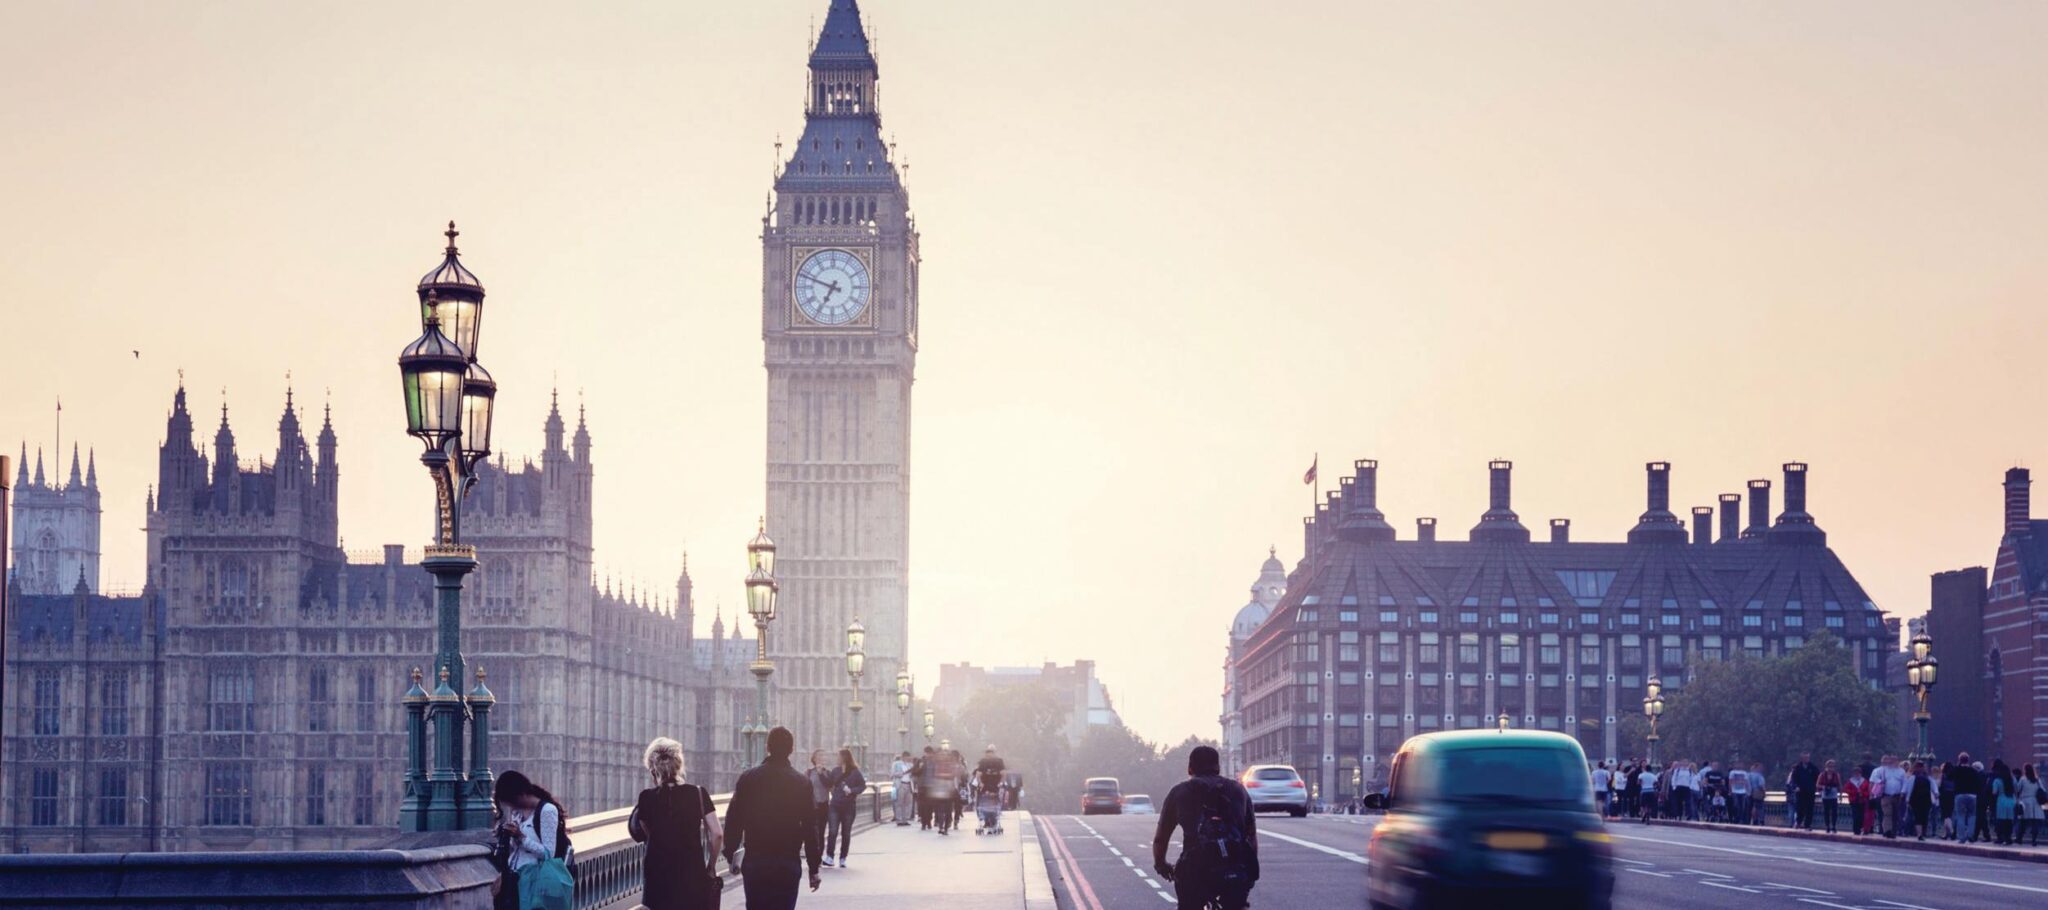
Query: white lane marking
[[1897, 904], [1838, 865], [1116, 851], [1155, 885], [1830, 904], [1312, 845], [1127, 861], [1632, 862], [1798, 888], [1166, 897], [1721, 885], [1648, 872], [1141, 873], [1716, 874]]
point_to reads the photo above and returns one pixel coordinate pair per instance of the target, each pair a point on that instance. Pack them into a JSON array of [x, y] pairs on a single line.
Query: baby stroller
[[988, 803]]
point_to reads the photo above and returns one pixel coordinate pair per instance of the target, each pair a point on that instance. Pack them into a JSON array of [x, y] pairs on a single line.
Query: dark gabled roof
[[836, 153], [843, 39], [55, 617], [2032, 551]]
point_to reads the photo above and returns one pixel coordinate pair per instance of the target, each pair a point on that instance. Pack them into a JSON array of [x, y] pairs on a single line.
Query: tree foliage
[[1771, 709], [1027, 723]]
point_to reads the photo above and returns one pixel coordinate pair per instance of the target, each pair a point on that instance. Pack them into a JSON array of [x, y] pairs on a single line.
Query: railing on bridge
[[610, 865]]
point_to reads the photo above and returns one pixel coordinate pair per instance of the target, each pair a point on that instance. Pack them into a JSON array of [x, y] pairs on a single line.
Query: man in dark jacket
[[1805, 781], [771, 816], [1219, 837]]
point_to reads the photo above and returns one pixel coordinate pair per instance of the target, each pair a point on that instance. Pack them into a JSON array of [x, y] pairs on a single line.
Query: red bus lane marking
[[1071, 868]]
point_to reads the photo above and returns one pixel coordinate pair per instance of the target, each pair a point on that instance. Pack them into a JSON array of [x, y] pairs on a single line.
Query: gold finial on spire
[[417, 676]]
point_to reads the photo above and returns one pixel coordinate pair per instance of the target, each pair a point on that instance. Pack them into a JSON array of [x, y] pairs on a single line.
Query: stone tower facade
[[56, 542], [839, 316]]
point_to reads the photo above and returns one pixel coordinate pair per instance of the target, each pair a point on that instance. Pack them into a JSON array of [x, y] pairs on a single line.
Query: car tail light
[[1298, 785]]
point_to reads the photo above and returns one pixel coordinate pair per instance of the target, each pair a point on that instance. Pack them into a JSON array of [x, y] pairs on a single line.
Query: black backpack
[[1221, 849]]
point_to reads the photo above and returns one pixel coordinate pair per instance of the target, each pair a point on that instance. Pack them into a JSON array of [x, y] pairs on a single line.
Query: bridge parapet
[[451, 876]]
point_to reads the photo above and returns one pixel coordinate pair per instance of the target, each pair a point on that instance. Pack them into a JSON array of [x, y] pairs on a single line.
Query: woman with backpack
[[679, 825], [847, 786], [533, 846]]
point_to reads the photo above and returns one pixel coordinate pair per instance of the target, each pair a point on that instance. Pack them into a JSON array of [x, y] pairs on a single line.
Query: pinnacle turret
[[21, 468], [92, 470], [39, 466]]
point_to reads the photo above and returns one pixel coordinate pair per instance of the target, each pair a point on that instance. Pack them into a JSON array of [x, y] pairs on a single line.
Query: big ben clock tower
[[839, 326]]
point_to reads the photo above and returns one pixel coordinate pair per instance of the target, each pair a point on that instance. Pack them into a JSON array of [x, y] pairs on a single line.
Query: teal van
[[1483, 818]]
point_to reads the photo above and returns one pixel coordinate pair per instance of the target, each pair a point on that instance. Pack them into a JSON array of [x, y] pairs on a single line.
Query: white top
[[900, 770], [1601, 778], [1649, 780], [536, 835], [1738, 781], [1681, 778]]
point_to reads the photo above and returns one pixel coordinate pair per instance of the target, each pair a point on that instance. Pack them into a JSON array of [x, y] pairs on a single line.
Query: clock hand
[[815, 280]]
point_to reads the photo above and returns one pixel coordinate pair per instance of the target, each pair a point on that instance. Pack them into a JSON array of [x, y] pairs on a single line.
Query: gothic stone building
[[839, 327], [1378, 639], [56, 528], [249, 698], [1990, 631]]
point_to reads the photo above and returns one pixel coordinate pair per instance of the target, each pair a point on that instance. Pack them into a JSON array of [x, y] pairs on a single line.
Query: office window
[[1585, 584], [316, 796], [1589, 650], [1347, 653], [1390, 617], [1430, 650], [1794, 621], [113, 802], [114, 703], [1469, 617], [1390, 647], [1631, 650], [1589, 619], [44, 785], [319, 700], [1510, 617], [1794, 642], [1668, 620], [231, 700], [1834, 621], [1468, 648], [1710, 647], [1710, 620], [49, 703], [227, 794], [1549, 650], [1510, 648], [1631, 619], [1427, 618], [1753, 645], [1673, 655], [1547, 617], [1347, 616]]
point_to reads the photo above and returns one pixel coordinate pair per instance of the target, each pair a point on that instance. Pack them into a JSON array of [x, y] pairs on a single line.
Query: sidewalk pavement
[[1985, 850], [897, 868]]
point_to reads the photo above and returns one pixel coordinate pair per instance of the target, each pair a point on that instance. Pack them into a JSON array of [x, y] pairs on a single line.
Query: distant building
[[1085, 697], [56, 528], [1378, 639], [1266, 594], [1989, 697]]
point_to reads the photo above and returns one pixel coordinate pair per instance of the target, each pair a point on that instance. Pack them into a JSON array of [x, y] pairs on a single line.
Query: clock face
[[832, 287]]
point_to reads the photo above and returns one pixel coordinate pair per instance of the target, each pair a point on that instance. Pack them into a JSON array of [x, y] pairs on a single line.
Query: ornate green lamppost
[[928, 729], [1920, 675], [448, 402], [1653, 708], [761, 593], [856, 664]]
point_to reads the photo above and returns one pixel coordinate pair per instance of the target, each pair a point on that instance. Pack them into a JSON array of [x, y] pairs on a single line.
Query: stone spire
[[39, 466], [77, 478], [92, 469], [553, 427], [21, 469]]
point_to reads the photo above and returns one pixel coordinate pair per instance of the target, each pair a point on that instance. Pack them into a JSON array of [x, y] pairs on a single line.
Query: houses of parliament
[[248, 697]]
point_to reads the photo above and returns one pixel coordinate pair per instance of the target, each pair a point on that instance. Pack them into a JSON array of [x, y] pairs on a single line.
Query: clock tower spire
[[839, 308]]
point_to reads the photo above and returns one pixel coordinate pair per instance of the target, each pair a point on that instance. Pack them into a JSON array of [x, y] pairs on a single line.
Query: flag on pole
[[1310, 477]]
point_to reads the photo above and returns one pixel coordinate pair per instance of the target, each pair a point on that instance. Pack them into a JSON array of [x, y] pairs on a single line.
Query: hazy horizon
[[1172, 251]]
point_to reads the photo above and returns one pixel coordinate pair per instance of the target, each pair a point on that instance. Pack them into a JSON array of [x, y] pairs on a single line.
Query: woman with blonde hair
[[679, 825]]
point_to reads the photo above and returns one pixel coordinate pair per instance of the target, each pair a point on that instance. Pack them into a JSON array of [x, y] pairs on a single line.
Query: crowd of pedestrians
[[1962, 800]]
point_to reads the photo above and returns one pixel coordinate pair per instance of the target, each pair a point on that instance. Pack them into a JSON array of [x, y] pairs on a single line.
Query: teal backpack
[[550, 884]]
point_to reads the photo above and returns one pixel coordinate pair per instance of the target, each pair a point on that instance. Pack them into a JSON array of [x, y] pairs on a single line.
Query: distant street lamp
[[1653, 708], [449, 399], [856, 665], [1503, 719], [928, 730], [1920, 675], [761, 593], [903, 709]]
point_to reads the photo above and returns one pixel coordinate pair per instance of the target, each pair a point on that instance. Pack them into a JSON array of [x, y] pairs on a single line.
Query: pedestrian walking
[[1945, 794], [679, 825], [1681, 790], [533, 840], [2031, 798], [821, 778], [1920, 799], [1801, 786], [1857, 789], [1603, 782], [1984, 801], [1968, 785], [926, 772], [1649, 792], [1756, 793], [1738, 796], [1829, 784], [847, 786], [2004, 802], [772, 818], [900, 800]]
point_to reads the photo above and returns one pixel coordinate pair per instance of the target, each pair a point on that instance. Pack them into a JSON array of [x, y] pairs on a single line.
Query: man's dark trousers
[[1190, 894], [1804, 809], [771, 884]]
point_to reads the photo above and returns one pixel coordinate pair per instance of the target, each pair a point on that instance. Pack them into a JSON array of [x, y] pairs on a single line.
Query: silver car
[[1139, 804], [1276, 787]]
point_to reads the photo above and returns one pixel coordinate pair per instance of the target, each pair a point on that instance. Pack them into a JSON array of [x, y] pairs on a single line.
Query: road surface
[[1104, 862]]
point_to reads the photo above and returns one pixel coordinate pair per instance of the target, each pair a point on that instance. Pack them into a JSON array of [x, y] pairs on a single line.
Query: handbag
[[549, 884]]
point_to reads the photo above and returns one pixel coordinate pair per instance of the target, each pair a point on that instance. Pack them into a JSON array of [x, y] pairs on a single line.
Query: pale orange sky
[[1171, 250]]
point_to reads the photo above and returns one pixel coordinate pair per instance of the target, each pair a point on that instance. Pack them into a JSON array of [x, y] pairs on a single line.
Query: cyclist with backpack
[[1219, 856]]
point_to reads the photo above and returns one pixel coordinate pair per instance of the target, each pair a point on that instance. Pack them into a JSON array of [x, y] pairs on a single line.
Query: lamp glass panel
[[476, 416], [1927, 672], [1912, 674], [856, 662], [856, 637], [461, 319], [415, 414]]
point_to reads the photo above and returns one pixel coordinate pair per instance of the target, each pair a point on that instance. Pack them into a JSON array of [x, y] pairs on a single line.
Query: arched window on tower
[[236, 586]]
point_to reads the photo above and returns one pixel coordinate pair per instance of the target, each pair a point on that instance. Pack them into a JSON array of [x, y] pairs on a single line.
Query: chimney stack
[[1657, 525], [1363, 521], [1795, 525], [1560, 530], [1731, 516], [1759, 510], [1425, 530], [1703, 525], [2019, 510], [1500, 524]]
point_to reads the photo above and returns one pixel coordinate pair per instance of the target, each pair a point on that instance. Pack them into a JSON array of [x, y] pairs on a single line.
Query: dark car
[[1102, 796], [1489, 818]]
